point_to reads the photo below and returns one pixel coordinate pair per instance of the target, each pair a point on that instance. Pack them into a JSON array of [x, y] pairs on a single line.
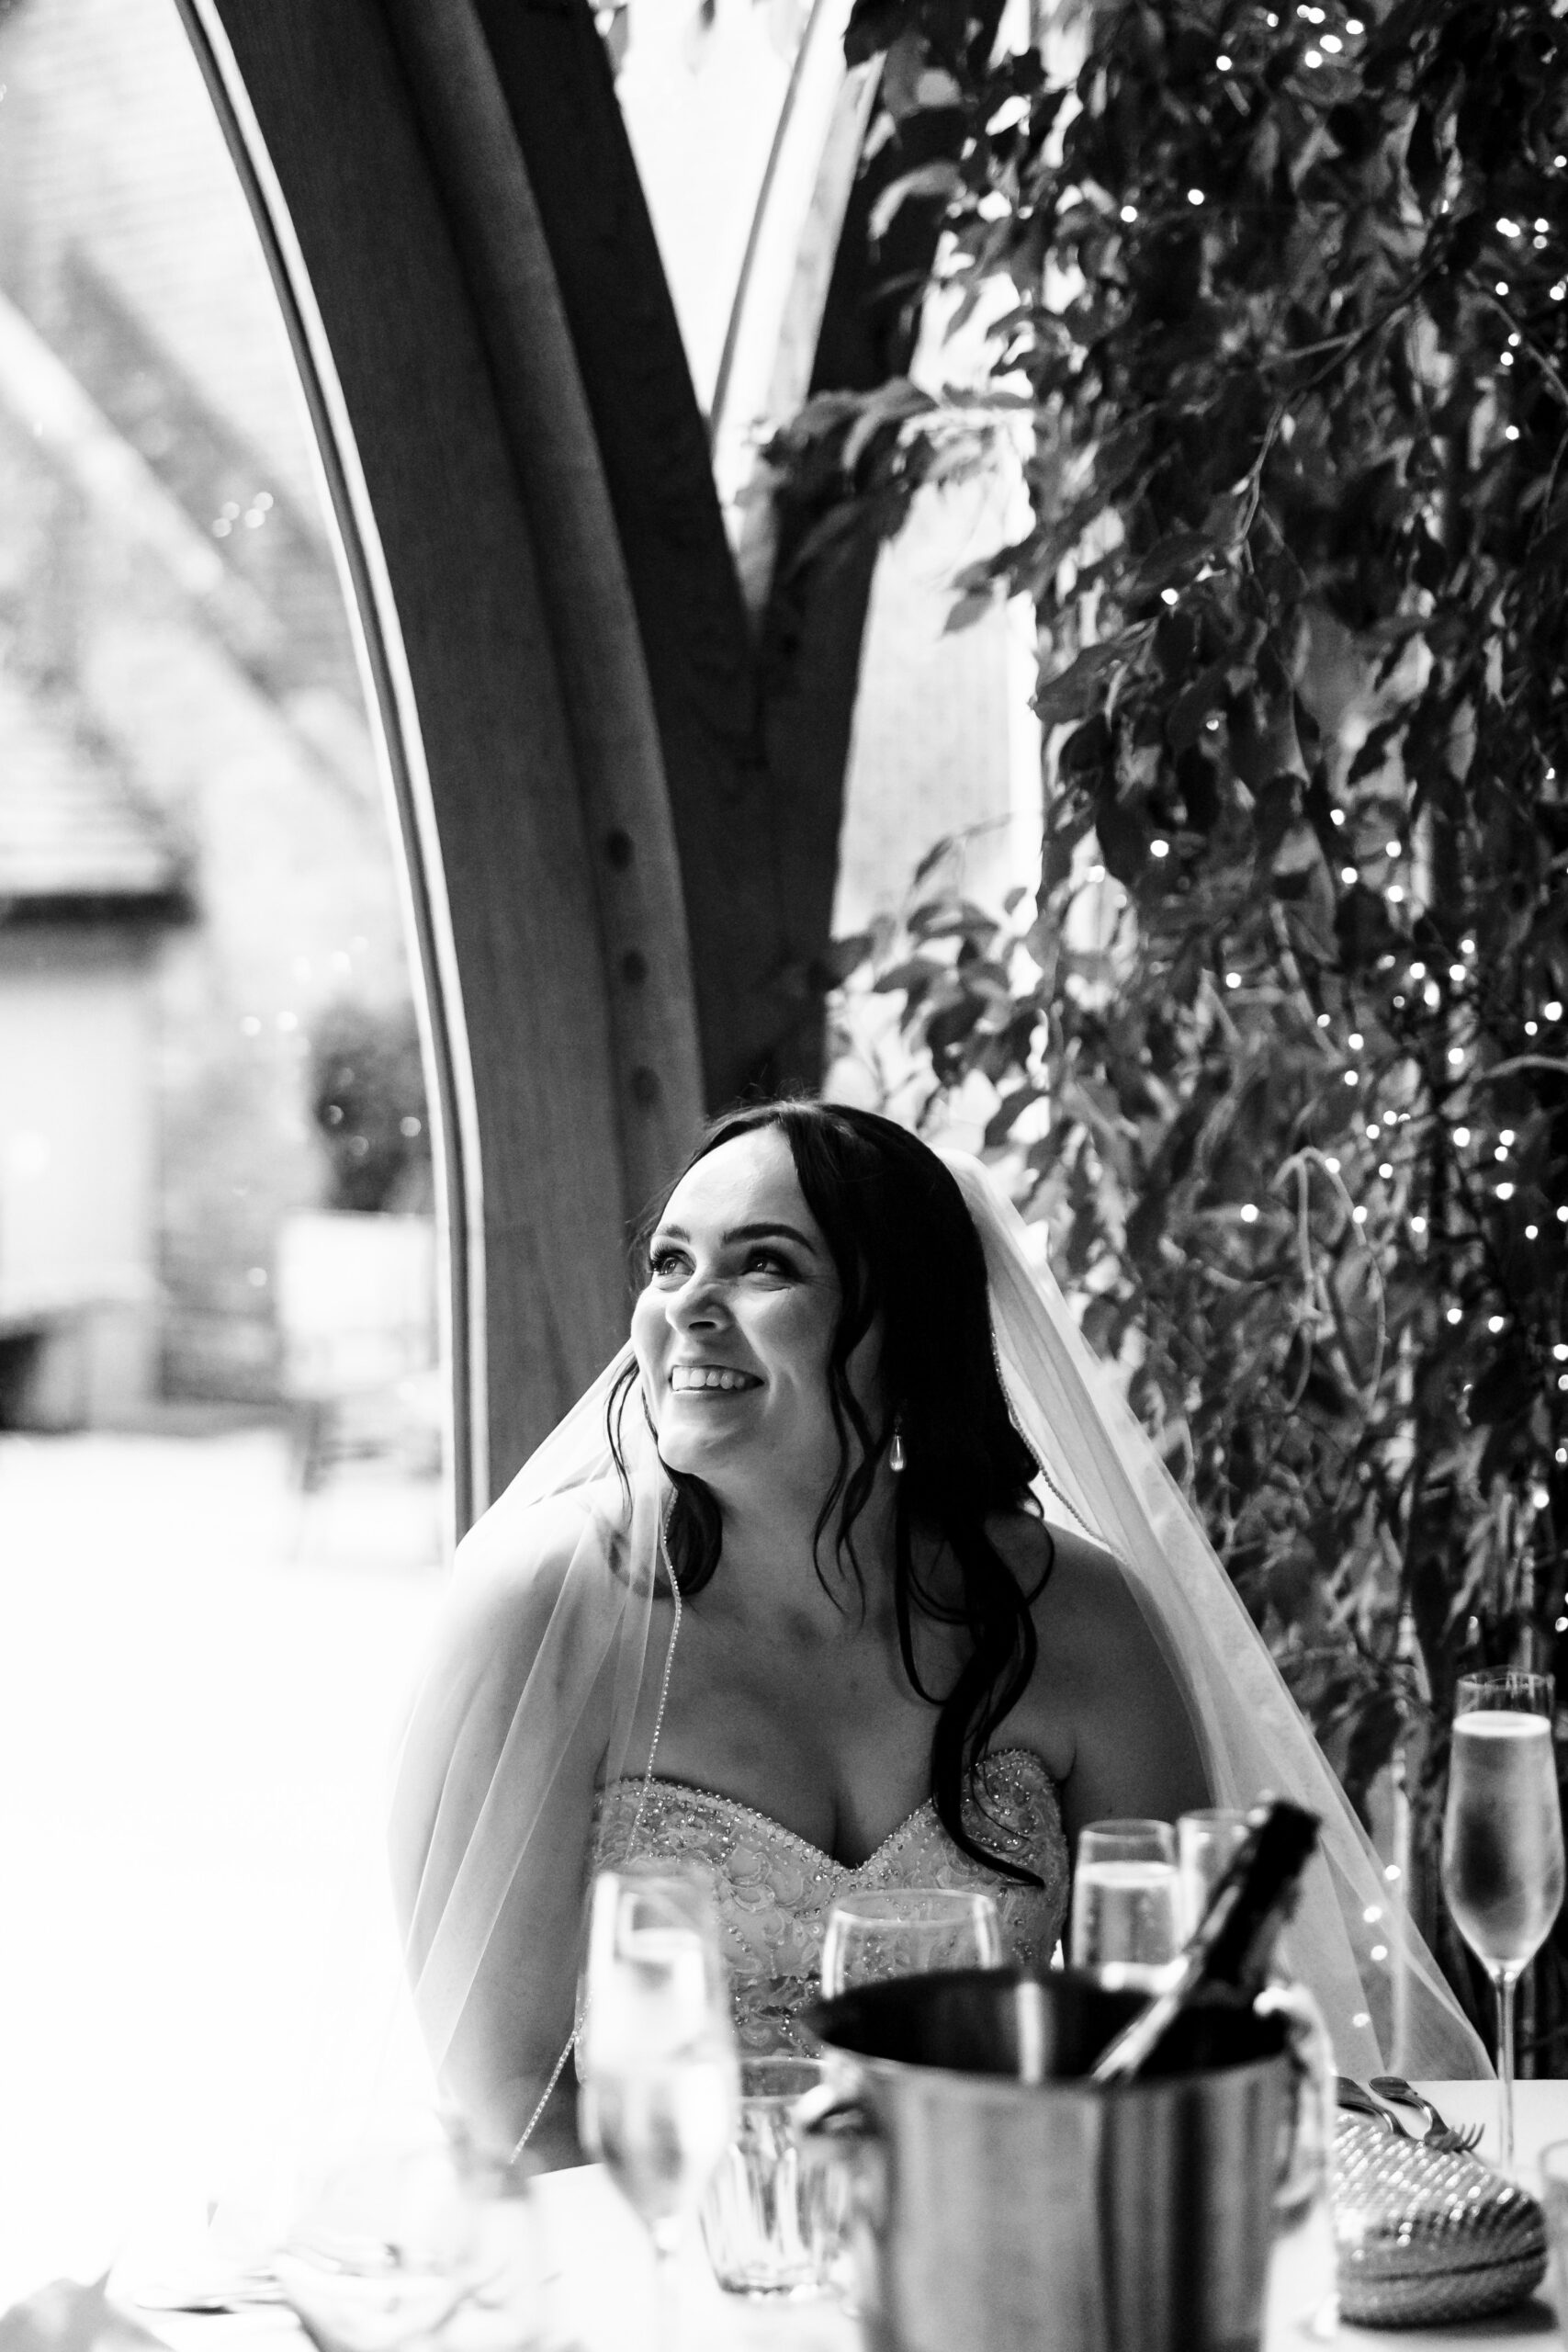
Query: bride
[[789, 1596]]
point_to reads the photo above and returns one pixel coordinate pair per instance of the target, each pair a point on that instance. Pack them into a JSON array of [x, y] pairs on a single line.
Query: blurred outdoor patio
[[201, 1673]]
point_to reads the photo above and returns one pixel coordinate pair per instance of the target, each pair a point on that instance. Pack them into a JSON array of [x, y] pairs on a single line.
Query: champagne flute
[[1206, 1843], [1126, 1922], [907, 1932], [660, 2085], [1503, 1841]]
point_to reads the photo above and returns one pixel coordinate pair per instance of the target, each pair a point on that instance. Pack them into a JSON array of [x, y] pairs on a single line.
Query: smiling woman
[[847, 1673], [849, 1572]]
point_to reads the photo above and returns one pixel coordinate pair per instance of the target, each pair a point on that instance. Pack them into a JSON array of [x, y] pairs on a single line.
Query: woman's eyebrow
[[765, 1232]]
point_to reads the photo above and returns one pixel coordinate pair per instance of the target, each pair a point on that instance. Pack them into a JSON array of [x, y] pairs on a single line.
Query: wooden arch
[[618, 789]]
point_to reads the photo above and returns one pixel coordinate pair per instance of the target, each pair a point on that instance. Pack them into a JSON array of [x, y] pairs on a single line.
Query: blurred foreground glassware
[[1554, 2205], [1205, 1842], [656, 2056], [1503, 1842], [428, 2243], [1127, 1921], [775, 2213], [907, 1931]]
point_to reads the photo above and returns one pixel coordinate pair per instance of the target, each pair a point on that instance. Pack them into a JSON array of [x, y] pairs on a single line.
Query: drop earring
[[896, 1457]]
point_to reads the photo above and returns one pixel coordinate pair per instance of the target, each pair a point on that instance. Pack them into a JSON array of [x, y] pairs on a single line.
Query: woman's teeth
[[700, 1375]]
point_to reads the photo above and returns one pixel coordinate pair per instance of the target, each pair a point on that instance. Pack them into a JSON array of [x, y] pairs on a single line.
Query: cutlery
[[1358, 2100], [1441, 2138]]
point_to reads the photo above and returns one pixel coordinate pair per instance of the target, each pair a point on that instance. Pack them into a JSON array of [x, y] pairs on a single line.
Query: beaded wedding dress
[[773, 1890]]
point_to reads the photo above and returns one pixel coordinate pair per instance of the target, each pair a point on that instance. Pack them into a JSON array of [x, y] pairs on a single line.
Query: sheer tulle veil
[[561, 1589]]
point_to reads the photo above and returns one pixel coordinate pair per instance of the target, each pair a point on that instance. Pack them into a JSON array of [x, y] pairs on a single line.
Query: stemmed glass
[[659, 2084], [907, 1932], [1126, 1922], [1503, 1841], [1206, 1844]]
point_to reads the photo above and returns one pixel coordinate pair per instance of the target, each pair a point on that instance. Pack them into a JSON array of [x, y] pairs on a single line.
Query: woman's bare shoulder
[[521, 1562], [1073, 1583]]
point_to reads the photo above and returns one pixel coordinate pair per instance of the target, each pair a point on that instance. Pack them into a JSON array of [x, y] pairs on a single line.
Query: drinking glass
[[1503, 1842], [775, 2215], [907, 1931], [1126, 1922], [1206, 1841], [659, 2087]]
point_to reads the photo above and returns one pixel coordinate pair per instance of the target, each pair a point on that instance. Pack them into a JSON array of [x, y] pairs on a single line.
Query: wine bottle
[[1232, 1943]]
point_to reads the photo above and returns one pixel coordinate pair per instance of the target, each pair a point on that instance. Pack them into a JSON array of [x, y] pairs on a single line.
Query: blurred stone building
[[186, 786]]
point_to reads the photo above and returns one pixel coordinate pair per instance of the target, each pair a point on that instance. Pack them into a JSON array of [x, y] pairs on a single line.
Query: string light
[[1417, 1224], [1346, 873], [1248, 1213], [1553, 1011], [1454, 1315], [1159, 849], [1495, 1324], [1504, 1191], [1332, 1165], [1322, 1020], [1530, 1232], [1386, 1169], [1356, 1041]]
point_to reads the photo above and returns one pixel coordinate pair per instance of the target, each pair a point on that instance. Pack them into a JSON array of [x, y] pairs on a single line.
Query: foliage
[[1280, 1051], [367, 1098]]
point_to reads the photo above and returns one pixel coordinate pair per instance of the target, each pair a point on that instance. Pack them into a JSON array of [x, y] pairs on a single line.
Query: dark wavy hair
[[905, 1252]]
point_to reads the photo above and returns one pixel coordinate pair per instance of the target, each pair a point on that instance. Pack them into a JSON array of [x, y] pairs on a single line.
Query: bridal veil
[[559, 1595]]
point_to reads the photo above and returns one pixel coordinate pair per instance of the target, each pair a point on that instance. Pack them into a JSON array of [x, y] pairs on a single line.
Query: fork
[[1443, 2139]]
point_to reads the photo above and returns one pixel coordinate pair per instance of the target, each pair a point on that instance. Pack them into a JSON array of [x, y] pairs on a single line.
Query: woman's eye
[[664, 1263], [769, 1261]]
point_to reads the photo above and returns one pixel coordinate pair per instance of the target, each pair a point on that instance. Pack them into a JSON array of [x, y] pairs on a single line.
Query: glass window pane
[[220, 1401]]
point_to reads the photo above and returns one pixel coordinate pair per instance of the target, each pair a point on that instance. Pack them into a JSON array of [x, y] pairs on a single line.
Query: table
[[605, 2272], [599, 2275]]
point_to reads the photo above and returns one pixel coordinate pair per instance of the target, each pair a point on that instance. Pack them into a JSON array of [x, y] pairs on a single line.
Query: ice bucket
[[1003, 2203]]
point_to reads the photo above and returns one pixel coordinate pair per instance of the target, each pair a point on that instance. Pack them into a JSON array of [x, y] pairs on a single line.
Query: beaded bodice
[[773, 1890]]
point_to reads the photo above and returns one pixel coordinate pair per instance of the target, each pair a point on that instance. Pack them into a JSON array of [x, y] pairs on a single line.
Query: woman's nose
[[698, 1305]]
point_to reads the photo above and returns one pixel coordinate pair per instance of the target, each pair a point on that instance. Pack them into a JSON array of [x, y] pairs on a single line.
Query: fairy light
[[1232, 979], [1346, 873], [1457, 974], [1386, 1169], [1560, 1353], [1530, 1232], [1454, 1315], [1332, 1164], [1456, 1056], [1159, 849], [1506, 1134], [1359, 1215], [1495, 1324], [1248, 1213], [1128, 212], [1553, 1012], [1532, 1029], [1322, 1020], [1417, 1224], [1396, 894], [1352, 1078], [1461, 1136]]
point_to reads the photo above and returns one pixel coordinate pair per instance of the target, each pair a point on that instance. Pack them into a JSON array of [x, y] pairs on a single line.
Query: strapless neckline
[[772, 1888], [820, 1854]]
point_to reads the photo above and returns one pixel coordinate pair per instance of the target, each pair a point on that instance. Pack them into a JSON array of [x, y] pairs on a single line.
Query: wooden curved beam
[[513, 896]]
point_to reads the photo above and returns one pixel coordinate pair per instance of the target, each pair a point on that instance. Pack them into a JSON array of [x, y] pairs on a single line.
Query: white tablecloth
[[605, 2275]]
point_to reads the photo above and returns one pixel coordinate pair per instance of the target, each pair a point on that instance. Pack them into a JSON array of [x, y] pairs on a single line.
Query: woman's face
[[735, 1330]]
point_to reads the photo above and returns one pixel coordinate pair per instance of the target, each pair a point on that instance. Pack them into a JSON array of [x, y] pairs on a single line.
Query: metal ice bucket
[[1004, 2204]]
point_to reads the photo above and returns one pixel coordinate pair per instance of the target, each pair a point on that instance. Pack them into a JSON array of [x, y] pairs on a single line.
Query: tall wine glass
[[907, 1931], [659, 2084], [1126, 1917], [1503, 1841]]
